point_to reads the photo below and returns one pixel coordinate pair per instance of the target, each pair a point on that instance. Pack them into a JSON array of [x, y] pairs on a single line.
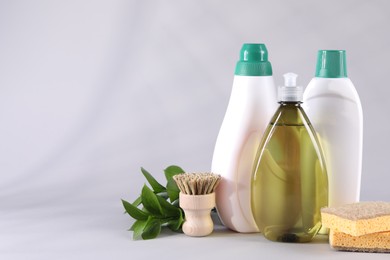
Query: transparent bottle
[[289, 181]]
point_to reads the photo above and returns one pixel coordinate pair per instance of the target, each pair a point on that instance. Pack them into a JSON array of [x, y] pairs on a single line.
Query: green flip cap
[[253, 61], [331, 64]]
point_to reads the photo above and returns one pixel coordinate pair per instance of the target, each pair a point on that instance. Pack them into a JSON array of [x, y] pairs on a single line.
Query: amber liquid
[[289, 184]]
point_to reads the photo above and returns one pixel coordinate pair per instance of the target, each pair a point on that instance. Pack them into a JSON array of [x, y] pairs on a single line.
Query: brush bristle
[[197, 183]]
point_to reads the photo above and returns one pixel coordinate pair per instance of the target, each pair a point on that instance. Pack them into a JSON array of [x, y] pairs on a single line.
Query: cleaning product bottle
[[289, 182], [333, 106], [251, 105]]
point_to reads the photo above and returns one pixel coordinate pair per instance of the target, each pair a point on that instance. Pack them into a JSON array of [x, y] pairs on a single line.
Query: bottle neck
[[290, 103], [290, 113]]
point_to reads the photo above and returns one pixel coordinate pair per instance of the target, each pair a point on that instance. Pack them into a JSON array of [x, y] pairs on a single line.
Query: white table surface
[[100, 232]]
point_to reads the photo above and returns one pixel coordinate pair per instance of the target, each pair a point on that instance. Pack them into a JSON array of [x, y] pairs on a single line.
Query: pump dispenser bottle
[[289, 182], [251, 105], [333, 106]]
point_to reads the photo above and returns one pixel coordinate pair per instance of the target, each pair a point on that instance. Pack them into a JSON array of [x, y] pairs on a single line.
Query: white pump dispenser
[[290, 91]]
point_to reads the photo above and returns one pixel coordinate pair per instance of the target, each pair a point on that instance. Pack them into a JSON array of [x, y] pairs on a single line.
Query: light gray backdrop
[[90, 91]]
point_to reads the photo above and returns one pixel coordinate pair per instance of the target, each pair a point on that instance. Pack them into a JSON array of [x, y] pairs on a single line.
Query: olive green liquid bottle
[[289, 184]]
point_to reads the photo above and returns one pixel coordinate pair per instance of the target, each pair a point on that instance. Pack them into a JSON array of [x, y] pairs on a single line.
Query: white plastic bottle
[[252, 104], [333, 106]]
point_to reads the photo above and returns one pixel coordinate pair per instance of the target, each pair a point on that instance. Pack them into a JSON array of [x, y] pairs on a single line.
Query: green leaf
[[175, 224], [172, 190], [152, 229], [168, 209], [163, 194], [137, 202], [156, 186], [150, 201], [134, 212], [171, 171], [157, 211], [138, 228]]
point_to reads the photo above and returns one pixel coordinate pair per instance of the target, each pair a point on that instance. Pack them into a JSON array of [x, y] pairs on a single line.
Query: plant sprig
[[160, 206]]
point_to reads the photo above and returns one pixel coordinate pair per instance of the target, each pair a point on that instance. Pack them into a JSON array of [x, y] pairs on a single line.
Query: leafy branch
[[160, 206]]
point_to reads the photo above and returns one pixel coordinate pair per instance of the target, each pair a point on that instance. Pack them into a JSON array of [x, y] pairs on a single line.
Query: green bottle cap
[[331, 64], [253, 61]]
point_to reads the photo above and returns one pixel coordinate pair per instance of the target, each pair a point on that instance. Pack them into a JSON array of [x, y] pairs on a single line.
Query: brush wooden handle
[[197, 210]]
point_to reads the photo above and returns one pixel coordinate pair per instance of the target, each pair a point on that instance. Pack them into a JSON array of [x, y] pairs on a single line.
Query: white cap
[[290, 92]]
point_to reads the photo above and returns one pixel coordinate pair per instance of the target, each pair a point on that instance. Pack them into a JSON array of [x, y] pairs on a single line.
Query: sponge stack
[[363, 226]]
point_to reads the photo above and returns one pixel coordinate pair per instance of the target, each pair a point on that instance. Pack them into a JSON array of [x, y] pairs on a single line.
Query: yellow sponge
[[363, 226], [358, 218], [375, 242]]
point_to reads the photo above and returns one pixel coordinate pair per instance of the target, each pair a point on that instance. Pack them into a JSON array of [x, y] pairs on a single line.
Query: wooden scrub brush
[[197, 198]]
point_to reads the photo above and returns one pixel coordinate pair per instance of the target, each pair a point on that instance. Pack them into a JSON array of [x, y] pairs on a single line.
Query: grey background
[[90, 91]]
